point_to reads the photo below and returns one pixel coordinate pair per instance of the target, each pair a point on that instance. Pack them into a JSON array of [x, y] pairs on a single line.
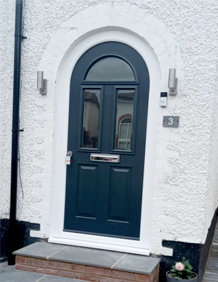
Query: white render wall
[[7, 18], [185, 187]]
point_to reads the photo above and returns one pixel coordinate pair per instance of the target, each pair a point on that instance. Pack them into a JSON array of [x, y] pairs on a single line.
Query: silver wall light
[[172, 82], [41, 83]]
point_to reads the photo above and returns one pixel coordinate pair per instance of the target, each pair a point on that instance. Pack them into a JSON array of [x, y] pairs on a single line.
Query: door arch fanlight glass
[[110, 69]]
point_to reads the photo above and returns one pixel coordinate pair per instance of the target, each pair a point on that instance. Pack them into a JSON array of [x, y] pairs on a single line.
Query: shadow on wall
[[22, 236]]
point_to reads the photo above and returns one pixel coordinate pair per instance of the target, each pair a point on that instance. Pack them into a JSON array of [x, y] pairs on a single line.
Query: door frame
[[57, 235]]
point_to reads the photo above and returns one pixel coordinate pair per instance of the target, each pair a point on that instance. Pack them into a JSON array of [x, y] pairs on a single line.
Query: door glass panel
[[110, 69], [124, 119], [91, 112]]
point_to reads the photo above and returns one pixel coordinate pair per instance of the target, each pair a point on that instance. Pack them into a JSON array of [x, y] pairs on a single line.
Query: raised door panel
[[86, 191], [119, 191]]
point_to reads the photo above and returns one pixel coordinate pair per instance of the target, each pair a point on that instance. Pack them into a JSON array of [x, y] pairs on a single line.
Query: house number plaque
[[171, 121]]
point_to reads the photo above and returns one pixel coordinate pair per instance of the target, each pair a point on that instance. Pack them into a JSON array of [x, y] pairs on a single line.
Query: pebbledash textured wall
[[185, 190], [7, 16]]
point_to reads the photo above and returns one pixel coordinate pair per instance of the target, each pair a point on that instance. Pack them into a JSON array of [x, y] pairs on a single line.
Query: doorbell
[[163, 99]]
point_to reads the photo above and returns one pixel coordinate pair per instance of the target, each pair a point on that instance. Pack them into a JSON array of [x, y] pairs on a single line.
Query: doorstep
[[86, 263]]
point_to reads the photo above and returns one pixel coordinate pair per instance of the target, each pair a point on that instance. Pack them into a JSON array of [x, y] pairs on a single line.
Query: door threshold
[[99, 245]]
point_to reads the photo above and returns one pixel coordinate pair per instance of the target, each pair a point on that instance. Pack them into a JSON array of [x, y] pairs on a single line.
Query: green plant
[[182, 270]]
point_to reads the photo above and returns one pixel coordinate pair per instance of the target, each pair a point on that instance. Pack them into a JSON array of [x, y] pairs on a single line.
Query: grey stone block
[[137, 264], [39, 250]]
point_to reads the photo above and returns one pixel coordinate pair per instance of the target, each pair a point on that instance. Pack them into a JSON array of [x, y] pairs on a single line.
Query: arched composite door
[[107, 132]]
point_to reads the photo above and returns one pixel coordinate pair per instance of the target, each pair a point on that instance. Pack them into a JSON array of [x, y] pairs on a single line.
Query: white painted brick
[[169, 134], [70, 36], [163, 58], [58, 36], [85, 15], [58, 54], [66, 24], [160, 49], [48, 155], [54, 63], [116, 10], [168, 38], [63, 47], [47, 171], [95, 24], [43, 64], [43, 206], [143, 30], [165, 70], [77, 20], [164, 219], [102, 9], [46, 183], [137, 26], [148, 19], [141, 14], [152, 39], [158, 27], [120, 21], [48, 55], [53, 42], [130, 23], [45, 117], [125, 9], [43, 131], [82, 29]]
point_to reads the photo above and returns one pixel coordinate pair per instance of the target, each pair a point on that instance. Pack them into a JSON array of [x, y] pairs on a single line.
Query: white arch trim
[[65, 48]]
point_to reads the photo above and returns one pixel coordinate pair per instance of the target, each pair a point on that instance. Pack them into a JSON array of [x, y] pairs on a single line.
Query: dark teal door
[[107, 116]]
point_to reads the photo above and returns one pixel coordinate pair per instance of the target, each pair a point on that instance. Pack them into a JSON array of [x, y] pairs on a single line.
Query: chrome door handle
[[69, 154]]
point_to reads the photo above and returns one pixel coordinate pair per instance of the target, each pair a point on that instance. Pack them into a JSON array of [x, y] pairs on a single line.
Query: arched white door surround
[[150, 38]]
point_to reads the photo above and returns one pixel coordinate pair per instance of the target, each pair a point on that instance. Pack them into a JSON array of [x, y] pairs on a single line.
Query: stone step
[[86, 263]]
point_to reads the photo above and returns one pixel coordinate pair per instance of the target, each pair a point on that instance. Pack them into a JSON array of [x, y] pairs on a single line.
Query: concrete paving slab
[[88, 256], [4, 267], [10, 274], [40, 250], [137, 264]]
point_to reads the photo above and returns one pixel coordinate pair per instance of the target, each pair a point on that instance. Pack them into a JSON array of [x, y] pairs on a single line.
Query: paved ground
[[8, 273], [211, 274]]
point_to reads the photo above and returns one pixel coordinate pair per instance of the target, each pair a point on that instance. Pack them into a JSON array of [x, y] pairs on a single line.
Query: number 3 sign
[[171, 121]]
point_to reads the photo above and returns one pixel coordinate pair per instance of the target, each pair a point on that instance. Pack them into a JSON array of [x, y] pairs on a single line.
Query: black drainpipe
[[12, 241]]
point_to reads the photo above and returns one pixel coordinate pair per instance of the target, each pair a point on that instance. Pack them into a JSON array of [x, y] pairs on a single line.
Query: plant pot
[[171, 279]]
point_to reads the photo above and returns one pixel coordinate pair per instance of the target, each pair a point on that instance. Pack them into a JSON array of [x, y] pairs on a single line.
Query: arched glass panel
[[110, 69]]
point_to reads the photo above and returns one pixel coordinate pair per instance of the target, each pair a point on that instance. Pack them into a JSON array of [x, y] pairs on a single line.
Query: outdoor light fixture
[[172, 82], [41, 83]]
